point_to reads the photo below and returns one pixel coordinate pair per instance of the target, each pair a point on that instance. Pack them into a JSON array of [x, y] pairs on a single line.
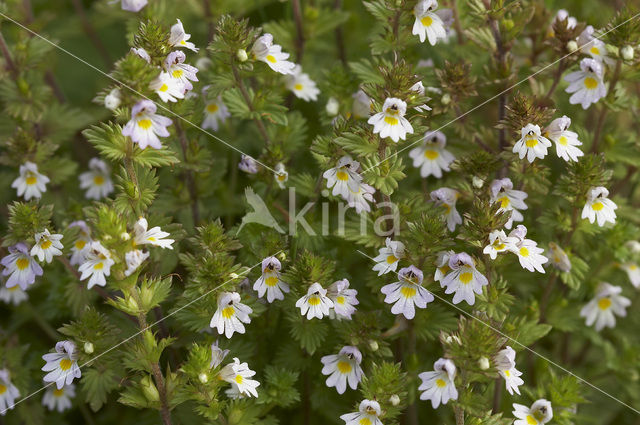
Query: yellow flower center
[[239, 379], [212, 108], [408, 291], [429, 154], [282, 177], [498, 246], [31, 180], [22, 263], [46, 244], [3, 389], [65, 364], [98, 180], [563, 141], [590, 83], [391, 120], [604, 303], [507, 373], [298, 86], [597, 206], [391, 259], [531, 420], [531, 143], [524, 252], [341, 175], [466, 277], [271, 281], [271, 59], [440, 383], [314, 300], [504, 202], [58, 392], [340, 299], [444, 269], [364, 421], [228, 312], [145, 124], [344, 367], [163, 88], [80, 244], [595, 50], [426, 21], [177, 73], [98, 266], [182, 42]]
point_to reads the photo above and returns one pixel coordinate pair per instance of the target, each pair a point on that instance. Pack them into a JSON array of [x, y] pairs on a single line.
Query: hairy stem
[[497, 396], [9, 64], [556, 80], [297, 19], [247, 98], [456, 22], [603, 112], [191, 184], [93, 36], [211, 27], [459, 415], [339, 35]]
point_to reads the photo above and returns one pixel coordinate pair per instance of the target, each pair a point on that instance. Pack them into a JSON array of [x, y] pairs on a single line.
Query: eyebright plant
[[374, 212]]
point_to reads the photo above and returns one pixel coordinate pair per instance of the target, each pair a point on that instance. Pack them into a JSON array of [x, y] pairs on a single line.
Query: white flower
[[532, 144], [391, 121], [343, 298], [463, 279], [442, 265], [113, 99], [565, 140], [528, 252], [237, 374], [599, 207], [248, 165], [59, 399], [343, 367], [301, 85], [264, 50], [154, 236], [447, 198], [215, 113], [21, 268], [587, 84], [141, 53], [633, 271], [343, 178], [429, 24], [360, 199], [8, 392], [369, 411], [431, 156], [134, 259], [47, 246], [603, 309], [14, 295], [169, 89], [539, 413], [561, 15], [281, 175], [62, 365], [269, 282], [315, 303], [499, 242], [82, 245], [217, 355], [97, 180], [362, 105], [174, 65], [593, 47], [146, 126], [558, 258], [230, 315], [97, 264], [30, 183], [407, 292], [438, 386], [510, 199], [133, 5], [389, 257], [179, 38], [506, 365]]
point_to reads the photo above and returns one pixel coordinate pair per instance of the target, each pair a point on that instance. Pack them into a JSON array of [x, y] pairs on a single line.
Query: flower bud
[[627, 53], [477, 182], [483, 363], [572, 46], [373, 345], [333, 107], [233, 275], [149, 389], [125, 236], [282, 256], [394, 400], [203, 377], [446, 99], [242, 56], [112, 100], [508, 24], [88, 347]]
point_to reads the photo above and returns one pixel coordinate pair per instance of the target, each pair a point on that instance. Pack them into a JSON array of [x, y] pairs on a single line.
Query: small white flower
[[30, 183], [360, 199], [428, 24], [447, 198], [179, 38], [215, 113], [362, 105], [154, 236], [603, 309], [176, 68], [558, 258], [442, 265], [532, 144], [82, 245], [343, 298], [264, 50], [14, 295], [134, 259], [565, 140], [47, 246], [344, 177], [315, 303], [369, 411], [391, 121], [499, 242], [561, 15], [510, 199], [587, 85], [281, 175], [238, 374], [539, 413], [248, 165], [269, 282], [97, 264], [506, 365], [146, 126], [217, 355], [389, 257], [633, 271], [59, 399], [62, 365], [21, 268], [599, 207], [301, 85], [431, 156], [528, 252], [8, 392], [463, 280], [133, 5], [342, 368], [141, 53], [113, 99], [97, 180], [439, 386], [593, 47], [169, 89], [407, 292], [230, 315]]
